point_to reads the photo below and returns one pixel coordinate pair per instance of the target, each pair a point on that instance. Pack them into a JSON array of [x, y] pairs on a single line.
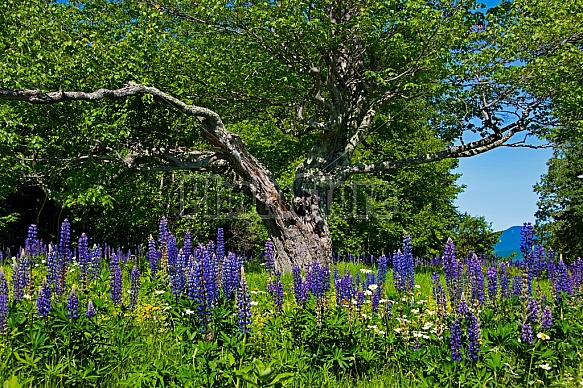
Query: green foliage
[[560, 215], [474, 234]]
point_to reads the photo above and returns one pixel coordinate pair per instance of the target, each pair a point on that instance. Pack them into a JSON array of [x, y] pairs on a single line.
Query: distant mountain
[[509, 242]]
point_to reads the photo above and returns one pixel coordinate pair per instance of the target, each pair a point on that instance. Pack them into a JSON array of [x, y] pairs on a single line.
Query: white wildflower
[[189, 312], [254, 303], [373, 287], [545, 366]]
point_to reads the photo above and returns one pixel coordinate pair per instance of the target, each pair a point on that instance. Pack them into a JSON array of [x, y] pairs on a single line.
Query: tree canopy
[[353, 87]]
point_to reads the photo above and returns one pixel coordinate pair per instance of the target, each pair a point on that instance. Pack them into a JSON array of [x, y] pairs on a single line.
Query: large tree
[[560, 215], [336, 76]]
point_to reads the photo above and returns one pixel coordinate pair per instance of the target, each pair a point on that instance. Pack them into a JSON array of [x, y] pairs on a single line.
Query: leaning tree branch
[[232, 148], [461, 151]]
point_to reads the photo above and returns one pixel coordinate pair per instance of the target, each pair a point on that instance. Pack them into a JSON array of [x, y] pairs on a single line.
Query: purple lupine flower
[[462, 307], [439, 294], [374, 303], [526, 333], [526, 240], [192, 287], [235, 263], [32, 244], [492, 278], [389, 310], [504, 280], [201, 294], [448, 261], [398, 265], [24, 272], [220, 251], [83, 257], [382, 272], [532, 310], [269, 257], [359, 299], [65, 240], [3, 303], [453, 272], [187, 249], [95, 261], [134, 287], [44, 300], [476, 278], [17, 290], [275, 288], [90, 312], [73, 305], [416, 345], [408, 269], [152, 258], [473, 337], [455, 340], [244, 305], [164, 234], [561, 278], [517, 285], [547, 318], [115, 281], [300, 289]]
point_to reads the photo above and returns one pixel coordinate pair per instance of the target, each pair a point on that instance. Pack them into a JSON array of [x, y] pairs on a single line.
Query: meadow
[[189, 315]]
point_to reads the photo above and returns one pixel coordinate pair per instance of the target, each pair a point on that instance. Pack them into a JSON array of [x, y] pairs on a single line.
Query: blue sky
[[500, 182]]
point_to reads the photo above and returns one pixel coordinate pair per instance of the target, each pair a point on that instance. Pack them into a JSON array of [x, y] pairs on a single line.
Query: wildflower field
[[176, 313]]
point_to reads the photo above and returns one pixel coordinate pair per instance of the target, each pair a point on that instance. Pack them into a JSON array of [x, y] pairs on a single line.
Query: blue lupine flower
[[244, 305], [3, 303], [453, 272], [532, 310], [547, 318], [134, 287], [526, 240], [275, 288], [473, 337], [164, 234], [300, 290], [44, 301], [526, 333], [83, 257], [359, 299], [374, 303], [32, 244], [187, 250], [90, 313], [152, 258], [477, 279], [73, 305], [65, 240], [220, 245], [17, 290], [462, 307], [492, 278], [455, 340], [382, 271], [504, 281], [408, 270], [269, 257], [115, 281], [517, 285], [439, 294]]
